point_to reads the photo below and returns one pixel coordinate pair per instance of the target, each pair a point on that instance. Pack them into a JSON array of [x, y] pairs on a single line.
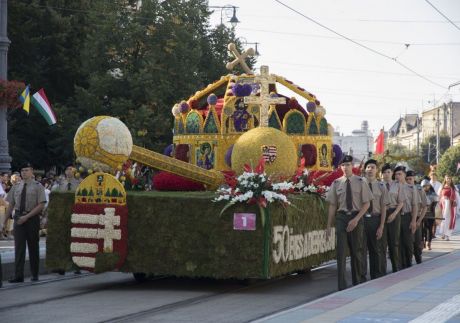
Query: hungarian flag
[[380, 143], [40, 101]]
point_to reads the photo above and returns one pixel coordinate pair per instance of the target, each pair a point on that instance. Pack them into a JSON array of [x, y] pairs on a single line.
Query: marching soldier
[[348, 199], [374, 222], [418, 241], [28, 200], [393, 222], [408, 218]]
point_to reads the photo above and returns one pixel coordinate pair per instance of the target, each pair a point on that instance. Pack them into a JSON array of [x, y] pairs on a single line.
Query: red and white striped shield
[[269, 153], [98, 229]]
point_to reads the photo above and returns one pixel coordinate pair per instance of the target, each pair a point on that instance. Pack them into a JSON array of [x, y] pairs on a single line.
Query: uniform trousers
[[392, 234], [353, 241], [27, 232], [374, 247], [418, 244], [406, 241]]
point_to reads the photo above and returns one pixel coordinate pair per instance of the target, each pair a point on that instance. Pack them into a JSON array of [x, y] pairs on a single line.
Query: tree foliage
[[428, 147], [448, 163], [99, 57]]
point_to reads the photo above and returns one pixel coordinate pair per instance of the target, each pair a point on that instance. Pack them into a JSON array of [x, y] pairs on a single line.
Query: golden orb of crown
[[103, 143], [273, 145]]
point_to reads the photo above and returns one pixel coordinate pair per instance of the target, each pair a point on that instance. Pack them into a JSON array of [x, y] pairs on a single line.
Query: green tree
[[428, 147], [448, 164], [99, 57]]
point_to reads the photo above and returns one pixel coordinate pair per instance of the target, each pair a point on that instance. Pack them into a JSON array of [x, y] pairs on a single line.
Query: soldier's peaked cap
[[385, 167], [346, 159], [26, 165]]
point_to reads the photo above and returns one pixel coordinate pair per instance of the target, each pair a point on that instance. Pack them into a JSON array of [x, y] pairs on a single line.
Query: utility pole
[[437, 137], [5, 158], [418, 135]]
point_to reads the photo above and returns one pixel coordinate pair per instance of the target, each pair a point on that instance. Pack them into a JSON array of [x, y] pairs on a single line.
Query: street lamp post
[[233, 20], [5, 158]]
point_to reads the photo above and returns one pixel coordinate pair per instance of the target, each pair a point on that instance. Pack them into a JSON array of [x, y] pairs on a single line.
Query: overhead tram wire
[[362, 40], [362, 45], [439, 11]]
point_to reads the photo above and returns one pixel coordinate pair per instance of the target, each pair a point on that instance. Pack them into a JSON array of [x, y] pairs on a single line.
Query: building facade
[[360, 144]]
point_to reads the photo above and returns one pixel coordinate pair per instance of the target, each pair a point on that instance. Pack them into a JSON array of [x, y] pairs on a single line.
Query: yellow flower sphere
[[275, 144], [103, 143]]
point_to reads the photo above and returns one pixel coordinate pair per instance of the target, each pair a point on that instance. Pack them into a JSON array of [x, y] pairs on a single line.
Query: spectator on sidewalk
[[432, 201], [27, 199], [448, 202]]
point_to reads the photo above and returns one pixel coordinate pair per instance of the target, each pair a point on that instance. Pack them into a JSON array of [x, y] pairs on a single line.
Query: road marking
[[442, 312]]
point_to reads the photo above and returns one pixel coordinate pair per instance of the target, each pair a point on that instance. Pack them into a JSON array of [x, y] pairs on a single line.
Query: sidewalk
[[429, 292], [7, 253]]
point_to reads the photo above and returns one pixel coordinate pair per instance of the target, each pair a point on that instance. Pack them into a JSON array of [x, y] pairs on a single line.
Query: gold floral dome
[[103, 143], [277, 149]]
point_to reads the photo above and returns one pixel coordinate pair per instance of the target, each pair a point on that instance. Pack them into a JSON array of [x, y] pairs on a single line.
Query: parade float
[[240, 136]]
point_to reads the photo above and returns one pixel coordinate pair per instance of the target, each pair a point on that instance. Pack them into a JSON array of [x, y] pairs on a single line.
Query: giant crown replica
[[237, 121]]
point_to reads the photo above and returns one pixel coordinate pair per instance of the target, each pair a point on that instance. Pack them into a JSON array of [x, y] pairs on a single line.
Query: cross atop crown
[[265, 98], [240, 58]]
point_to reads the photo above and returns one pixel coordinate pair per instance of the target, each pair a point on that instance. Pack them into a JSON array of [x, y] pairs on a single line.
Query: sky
[[354, 83]]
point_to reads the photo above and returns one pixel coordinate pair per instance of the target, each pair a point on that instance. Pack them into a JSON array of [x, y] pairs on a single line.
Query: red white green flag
[[40, 101]]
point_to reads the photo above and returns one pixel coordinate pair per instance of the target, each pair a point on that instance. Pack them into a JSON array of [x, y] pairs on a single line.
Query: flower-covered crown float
[[240, 118], [234, 121]]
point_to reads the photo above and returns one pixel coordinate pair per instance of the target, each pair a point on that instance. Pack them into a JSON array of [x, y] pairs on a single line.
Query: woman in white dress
[[448, 203]]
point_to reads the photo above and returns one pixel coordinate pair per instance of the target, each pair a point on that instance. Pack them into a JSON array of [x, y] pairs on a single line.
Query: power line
[[362, 45], [362, 40], [338, 69], [447, 18]]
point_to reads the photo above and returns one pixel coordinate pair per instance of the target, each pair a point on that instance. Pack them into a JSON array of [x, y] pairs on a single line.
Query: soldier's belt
[[369, 215], [348, 212]]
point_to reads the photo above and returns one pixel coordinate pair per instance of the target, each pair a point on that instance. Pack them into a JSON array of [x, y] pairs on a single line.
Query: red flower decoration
[[10, 92]]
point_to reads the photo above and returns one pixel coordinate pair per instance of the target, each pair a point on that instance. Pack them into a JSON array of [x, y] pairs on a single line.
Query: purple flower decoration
[[212, 99], [336, 155], [228, 156], [168, 150], [184, 107], [241, 90], [311, 107]]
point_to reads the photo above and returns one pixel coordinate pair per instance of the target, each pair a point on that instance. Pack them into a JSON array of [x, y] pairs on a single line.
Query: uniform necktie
[[69, 186], [22, 204], [371, 206], [349, 197], [388, 187]]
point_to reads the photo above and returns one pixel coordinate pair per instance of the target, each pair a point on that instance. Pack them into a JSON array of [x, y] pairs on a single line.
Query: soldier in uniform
[[374, 222], [69, 183], [408, 218], [393, 225], [28, 200], [418, 241], [348, 199]]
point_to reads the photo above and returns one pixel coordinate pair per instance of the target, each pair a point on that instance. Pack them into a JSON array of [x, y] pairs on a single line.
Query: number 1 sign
[[244, 221]]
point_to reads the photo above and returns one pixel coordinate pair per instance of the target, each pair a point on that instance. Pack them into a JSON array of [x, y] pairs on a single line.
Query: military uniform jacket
[[69, 185], [381, 197], [422, 196], [395, 194], [35, 194], [412, 198], [360, 192]]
